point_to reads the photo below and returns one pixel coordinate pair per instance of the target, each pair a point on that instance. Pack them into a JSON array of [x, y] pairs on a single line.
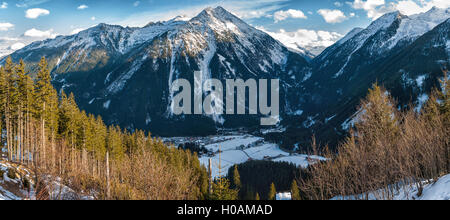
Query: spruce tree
[[2, 101], [295, 192], [445, 111], [236, 178], [222, 190], [272, 192], [10, 99], [432, 109], [43, 95], [378, 113], [22, 96]]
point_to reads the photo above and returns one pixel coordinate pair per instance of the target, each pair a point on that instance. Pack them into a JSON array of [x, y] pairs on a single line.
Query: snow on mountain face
[[350, 35], [216, 32], [357, 37], [415, 26], [130, 70], [406, 29], [338, 57]]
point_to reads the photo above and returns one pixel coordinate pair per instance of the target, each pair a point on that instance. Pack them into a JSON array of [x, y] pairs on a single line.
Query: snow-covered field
[[439, 190], [228, 150]]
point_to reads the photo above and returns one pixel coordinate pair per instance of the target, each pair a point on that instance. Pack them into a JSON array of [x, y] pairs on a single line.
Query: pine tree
[[43, 95], [257, 198], [432, 109], [272, 192], [22, 83], [115, 142], [445, 111], [9, 100], [222, 190], [445, 97], [378, 113], [236, 178], [295, 192]]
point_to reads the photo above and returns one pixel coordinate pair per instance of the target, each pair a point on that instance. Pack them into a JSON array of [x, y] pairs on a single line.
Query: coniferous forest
[[46, 131]]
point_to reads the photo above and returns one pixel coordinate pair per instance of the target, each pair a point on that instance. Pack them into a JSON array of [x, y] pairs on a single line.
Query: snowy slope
[[415, 26], [378, 37], [439, 190]]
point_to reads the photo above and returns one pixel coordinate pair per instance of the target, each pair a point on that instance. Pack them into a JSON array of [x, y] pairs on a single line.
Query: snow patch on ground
[[420, 80], [421, 100], [284, 196], [12, 189], [439, 190]]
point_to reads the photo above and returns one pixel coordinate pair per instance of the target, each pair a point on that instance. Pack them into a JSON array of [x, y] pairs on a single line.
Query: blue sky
[[306, 22]]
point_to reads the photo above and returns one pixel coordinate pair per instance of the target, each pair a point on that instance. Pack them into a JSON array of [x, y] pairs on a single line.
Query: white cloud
[[82, 7], [77, 30], [17, 46], [338, 4], [5, 26], [4, 5], [36, 12], [40, 34], [9, 44], [409, 7], [376, 8], [8, 39], [332, 16], [93, 18], [29, 3], [291, 13], [305, 38], [136, 3]]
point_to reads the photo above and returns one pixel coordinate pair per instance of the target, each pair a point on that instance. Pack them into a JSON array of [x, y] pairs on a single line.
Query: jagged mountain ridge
[[124, 74], [404, 54]]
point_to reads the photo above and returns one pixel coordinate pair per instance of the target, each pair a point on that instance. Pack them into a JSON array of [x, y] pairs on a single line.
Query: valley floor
[[228, 150]]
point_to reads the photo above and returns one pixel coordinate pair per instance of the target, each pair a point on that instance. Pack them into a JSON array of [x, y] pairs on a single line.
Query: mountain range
[[124, 74]]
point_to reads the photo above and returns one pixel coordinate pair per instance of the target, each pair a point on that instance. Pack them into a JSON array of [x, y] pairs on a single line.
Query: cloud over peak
[[40, 34], [310, 39], [36, 12], [332, 16], [6, 26], [376, 8], [82, 7], [291, 13]]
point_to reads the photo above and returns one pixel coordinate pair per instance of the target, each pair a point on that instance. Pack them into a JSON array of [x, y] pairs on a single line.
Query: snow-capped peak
[[415, 26], [181, 18]]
